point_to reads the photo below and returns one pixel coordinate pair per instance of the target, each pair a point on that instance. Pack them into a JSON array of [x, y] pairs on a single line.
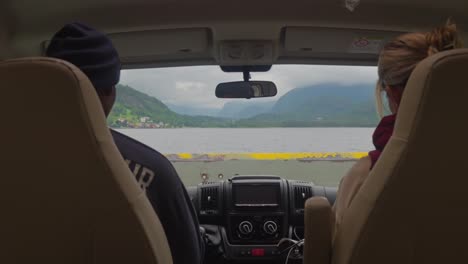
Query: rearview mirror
[[250, 89]]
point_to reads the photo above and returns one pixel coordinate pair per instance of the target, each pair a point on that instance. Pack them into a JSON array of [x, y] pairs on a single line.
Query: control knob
[[245, 228], [270, 227]]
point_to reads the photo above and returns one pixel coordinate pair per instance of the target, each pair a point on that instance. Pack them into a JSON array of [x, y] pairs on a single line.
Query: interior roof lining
[[227, 20]]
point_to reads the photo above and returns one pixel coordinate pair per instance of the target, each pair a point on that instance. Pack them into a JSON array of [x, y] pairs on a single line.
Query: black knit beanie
[[90, 50]]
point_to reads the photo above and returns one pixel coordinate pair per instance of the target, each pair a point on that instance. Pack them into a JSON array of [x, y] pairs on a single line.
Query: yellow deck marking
[[269, 156], [185, 156]]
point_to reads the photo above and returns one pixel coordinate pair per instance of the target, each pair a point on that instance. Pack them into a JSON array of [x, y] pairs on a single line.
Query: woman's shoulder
[[356, 174], [363, 165], [359, 170], [350, 184]]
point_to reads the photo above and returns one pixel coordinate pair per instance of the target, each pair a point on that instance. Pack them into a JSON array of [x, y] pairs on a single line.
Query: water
[[238, 140]]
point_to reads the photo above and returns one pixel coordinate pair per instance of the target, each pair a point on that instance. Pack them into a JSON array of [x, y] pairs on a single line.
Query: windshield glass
[[313, 130]]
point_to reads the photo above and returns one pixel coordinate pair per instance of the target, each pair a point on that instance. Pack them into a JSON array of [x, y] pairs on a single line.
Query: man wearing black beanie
[[93, 53]]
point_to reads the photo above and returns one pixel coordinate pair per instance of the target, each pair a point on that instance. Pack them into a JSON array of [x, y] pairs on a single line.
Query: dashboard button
[[245, 228], [270, 227], [258, 252]]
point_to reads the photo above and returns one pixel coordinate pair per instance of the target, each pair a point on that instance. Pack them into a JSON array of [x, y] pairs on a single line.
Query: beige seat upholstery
[[66, 194], [318, 230], [413, 207]]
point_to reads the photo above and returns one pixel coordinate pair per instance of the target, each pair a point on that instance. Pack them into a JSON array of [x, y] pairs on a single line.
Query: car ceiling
[[159, 33]]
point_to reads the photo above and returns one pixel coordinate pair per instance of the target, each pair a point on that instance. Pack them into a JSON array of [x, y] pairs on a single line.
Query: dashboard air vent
[[301, 194], [208, 183], [209, 200]]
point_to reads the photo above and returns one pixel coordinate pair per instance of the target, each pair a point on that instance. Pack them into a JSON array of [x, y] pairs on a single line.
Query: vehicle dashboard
[[253, 213]]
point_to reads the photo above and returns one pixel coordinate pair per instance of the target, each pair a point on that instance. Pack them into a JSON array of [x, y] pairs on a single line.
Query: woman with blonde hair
[[397, 61]]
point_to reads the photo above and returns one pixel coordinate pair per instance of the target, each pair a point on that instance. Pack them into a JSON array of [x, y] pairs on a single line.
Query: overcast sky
[[195, 86]]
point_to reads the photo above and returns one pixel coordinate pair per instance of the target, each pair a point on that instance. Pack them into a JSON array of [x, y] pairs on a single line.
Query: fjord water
[[238, 140], [241, 140]]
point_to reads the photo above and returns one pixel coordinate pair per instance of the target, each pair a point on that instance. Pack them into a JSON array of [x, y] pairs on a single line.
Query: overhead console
[[252, 52], [255, 212]]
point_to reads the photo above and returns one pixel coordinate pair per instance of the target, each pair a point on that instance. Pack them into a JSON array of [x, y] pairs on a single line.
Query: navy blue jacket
[[166, 192]]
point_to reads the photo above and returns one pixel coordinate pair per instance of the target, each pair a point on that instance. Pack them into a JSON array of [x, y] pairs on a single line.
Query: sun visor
[[334, 46], [174, 45], [139, 49]]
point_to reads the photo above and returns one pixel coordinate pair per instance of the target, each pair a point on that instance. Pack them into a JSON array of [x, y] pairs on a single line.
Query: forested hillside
[[136, 109]]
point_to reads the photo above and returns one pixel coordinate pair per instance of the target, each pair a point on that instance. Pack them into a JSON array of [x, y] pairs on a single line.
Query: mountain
[[136, 109], [313, 106], [245, 108], [193, 110], [321, 105], [238, 109]]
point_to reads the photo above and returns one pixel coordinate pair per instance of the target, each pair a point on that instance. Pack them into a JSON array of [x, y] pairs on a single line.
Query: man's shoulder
[[134, 150]]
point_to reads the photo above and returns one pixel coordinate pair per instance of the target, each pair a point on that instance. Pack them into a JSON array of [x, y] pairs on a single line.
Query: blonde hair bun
[[443, 38], [400, 56]]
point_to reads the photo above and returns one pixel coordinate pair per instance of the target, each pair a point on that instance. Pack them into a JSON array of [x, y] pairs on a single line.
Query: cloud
[[195, 86]]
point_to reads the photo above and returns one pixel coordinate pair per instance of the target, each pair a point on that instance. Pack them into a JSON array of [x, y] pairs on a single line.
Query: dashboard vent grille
[[209, 199], [208, 183], [301, 194]]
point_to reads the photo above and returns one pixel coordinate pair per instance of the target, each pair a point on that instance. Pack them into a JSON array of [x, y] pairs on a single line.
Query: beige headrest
[[412, 208], [66, 194]]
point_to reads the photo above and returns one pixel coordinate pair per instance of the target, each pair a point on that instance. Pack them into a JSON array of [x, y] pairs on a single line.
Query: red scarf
[[381, 136]]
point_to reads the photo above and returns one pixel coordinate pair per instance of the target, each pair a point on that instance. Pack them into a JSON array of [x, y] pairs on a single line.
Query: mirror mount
[[242, 68], [246, 73]]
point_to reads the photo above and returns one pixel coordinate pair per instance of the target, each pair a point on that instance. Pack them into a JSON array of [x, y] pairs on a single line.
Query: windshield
[[313, 130]]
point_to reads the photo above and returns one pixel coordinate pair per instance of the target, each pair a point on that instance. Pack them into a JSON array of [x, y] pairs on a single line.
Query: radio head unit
[[256, 194]]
